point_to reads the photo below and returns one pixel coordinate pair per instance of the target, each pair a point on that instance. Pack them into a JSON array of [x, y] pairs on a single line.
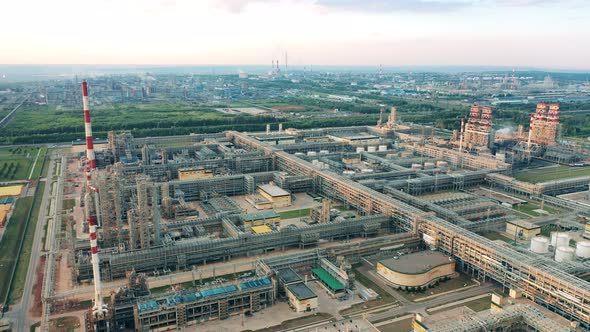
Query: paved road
[[20, 312]]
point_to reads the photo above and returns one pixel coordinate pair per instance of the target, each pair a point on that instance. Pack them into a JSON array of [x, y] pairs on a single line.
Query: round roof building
[[416, 269]]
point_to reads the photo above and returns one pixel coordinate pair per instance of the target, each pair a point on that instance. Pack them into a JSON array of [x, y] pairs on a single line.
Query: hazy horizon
[[540, 34]]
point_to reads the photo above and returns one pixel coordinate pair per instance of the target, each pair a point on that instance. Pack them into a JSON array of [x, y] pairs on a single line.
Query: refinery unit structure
[[150, 221], [477, 133]]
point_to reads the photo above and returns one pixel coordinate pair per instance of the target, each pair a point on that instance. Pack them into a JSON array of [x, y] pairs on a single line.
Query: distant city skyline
[[514, 33]]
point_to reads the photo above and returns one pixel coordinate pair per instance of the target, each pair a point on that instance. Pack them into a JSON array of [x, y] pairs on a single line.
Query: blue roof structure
[[219, 291], [255, 283], [148, 306]]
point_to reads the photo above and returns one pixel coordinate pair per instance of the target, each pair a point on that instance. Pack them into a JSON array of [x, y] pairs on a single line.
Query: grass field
[[497, 236], [294, 214], [16, 163], [475, 305], [456, 283], [189, 284], [10, 242], [23, 262], [404, 325], [556, 172]]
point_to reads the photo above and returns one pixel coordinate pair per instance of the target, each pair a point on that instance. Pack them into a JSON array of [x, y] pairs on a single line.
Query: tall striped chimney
[[90, 158]]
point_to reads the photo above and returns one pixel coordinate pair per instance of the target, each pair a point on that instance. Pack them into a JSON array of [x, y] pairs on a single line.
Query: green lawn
[[456, 283], [497, 236], [25, 255], [16, 163], [10, 242], [294, 214], [536, 175], [478, 305], [404, 325], [529, 208]]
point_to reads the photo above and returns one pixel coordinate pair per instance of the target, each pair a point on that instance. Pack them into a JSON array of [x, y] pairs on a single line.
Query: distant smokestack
[[532, 124], [461, 134], [267, 129], [280, 128]]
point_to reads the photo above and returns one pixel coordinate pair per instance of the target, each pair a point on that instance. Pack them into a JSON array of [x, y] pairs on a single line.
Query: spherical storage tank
[[563, 240], [564, 254], [583, 249], [540, 244]]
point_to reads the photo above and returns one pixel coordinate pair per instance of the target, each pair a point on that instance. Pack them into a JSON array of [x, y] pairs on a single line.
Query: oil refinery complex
[[185, 231]]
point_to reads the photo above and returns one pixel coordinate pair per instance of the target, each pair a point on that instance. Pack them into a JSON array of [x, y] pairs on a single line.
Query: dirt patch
[[64, 324], [38, 288], [288, 108]]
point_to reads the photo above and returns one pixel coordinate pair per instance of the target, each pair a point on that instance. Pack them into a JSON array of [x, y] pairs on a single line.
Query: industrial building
[[150, 221], [416, 269], [301, 298]]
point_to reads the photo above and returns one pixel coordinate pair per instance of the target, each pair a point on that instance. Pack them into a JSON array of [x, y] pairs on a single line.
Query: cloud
[[236, 6], [398, 5]]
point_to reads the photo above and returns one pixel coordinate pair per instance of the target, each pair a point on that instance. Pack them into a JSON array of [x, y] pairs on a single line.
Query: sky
[[550, 34]]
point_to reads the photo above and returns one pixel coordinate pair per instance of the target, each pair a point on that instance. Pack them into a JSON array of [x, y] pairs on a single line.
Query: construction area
[[174, 232]]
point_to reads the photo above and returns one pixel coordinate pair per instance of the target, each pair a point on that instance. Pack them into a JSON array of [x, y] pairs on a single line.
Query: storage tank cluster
[[560, 239]]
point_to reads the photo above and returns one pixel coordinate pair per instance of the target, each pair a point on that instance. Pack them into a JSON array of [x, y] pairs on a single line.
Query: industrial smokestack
[[461, 134], [99, 309], [280, 128], [268, 129], [90, 158]]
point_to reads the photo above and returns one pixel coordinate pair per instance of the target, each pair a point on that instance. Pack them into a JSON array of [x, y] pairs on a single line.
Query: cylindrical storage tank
[[416, 166], [540, 244], [366, 170], [360, 149], [563, 240], [554, 238], [564, 254], [583, 249], [382, 147], [324, 151], [442, 164], [299, 153], [428, 165], [371, 149], [348, 172], [311, 153], [314, 162]]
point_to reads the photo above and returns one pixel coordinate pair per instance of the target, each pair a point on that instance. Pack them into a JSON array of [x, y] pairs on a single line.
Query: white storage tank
[[540, 245], [299, 153], [348, 172], [563, 240], [371, 149], [382, 147], [314, 162], [311, 153], [428, 165], [554, 238], [416, 166], [564, 254], [360, 149], [583, 249], [366, 170], [442, 164], [324, 151]]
